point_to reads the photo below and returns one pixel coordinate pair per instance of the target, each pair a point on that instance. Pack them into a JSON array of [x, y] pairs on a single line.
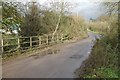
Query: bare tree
[[61, 8], [110, 7]]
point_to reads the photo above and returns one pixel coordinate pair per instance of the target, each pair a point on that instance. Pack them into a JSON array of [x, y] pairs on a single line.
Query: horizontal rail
[[32, 41]]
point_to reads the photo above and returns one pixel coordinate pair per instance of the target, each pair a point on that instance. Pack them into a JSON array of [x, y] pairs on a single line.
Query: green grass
[[103, 72]]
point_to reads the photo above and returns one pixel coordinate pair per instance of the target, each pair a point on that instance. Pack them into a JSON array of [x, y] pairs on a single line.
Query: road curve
[[61, 65]]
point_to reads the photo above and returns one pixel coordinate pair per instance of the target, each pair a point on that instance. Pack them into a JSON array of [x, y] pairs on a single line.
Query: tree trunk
[[57, 26]]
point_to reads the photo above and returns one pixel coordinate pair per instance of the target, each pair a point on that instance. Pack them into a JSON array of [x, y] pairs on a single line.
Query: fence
[[23, 43]]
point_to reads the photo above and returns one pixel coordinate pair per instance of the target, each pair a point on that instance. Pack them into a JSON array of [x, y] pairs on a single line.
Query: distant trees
[[108, 21]]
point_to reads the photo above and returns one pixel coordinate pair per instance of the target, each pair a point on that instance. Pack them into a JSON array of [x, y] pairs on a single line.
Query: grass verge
[[103, 60]]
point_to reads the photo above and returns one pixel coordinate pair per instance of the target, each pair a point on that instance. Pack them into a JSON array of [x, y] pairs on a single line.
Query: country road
[[61, 65]]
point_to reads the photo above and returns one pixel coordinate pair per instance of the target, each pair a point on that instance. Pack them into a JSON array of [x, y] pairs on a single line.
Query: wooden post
[[30, 42], [2, 46], [18, 43], [57, 38], [47, 39], [40, 41], [53, 37], [61, 37], [1, 43]]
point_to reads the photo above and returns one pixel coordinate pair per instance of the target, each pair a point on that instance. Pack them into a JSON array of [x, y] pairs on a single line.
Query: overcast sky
[[85, 8]]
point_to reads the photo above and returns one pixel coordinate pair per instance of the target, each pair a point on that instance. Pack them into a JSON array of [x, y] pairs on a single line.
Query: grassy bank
[[103, 60]]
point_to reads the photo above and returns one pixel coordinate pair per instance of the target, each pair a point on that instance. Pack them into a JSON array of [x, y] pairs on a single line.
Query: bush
[[103, 60]]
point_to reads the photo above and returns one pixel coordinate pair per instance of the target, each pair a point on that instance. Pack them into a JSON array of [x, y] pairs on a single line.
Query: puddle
[[76, 56], [48, 52], [35, 56]]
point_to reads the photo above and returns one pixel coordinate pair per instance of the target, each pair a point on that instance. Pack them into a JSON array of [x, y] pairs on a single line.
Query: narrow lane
[[61, 65]]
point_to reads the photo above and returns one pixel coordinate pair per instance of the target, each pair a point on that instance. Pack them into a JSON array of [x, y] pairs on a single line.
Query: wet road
[[61, 65]]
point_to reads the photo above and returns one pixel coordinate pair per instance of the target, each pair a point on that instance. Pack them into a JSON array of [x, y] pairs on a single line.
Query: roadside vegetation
[[34, 19], [103, 60]]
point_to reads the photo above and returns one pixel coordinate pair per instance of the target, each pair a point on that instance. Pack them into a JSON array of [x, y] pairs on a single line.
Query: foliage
[[104, 73], [44, 21], [32, 21], [10, 16], [104, 55], [103, 60]]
